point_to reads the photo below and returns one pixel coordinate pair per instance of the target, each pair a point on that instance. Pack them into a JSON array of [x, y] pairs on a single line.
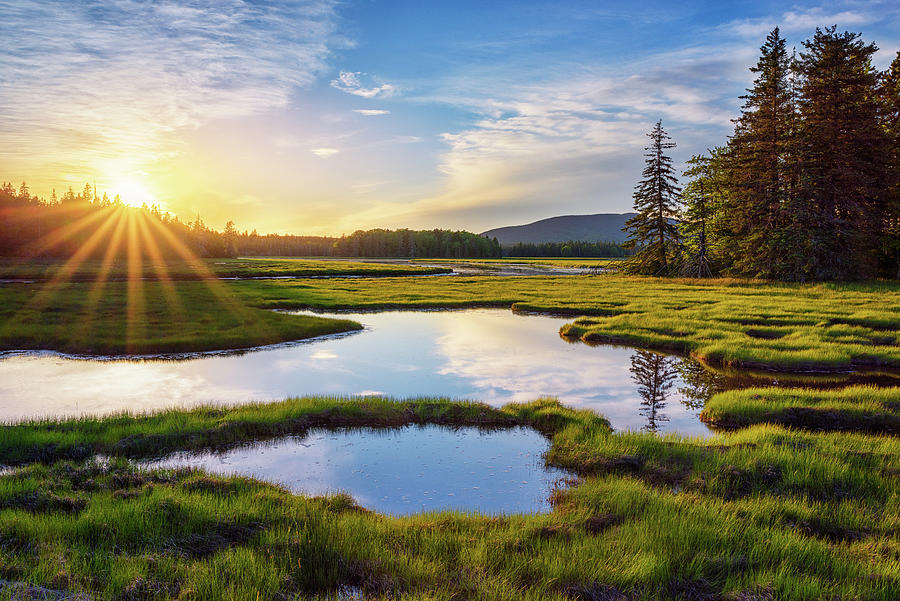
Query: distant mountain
[[601, 227]]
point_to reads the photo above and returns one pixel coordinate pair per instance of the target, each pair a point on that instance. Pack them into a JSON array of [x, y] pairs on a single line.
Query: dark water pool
[[402, 470]]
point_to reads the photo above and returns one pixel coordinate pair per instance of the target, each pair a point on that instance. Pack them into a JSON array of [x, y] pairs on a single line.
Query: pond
[[490, 355], [401, 470]]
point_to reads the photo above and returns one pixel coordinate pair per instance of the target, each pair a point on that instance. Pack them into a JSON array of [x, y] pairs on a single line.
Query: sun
[[133, 193]]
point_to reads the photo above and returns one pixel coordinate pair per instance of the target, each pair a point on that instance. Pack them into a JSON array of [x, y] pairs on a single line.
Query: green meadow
[[741, 323], [797, 497], [761, 513], [245, 267]]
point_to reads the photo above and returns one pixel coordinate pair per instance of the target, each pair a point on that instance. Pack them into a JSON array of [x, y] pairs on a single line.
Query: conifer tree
[[844, 152], [889, 94], [699, 211], [761, 167], [656, 199]]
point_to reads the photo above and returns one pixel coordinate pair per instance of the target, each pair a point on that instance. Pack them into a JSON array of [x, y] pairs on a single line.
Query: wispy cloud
[[563, 144], [371, 112], [85, 85], [351, 82], [802, 21]]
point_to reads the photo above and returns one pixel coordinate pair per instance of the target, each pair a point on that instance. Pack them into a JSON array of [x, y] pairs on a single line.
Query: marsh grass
[[740, 323], [211, 427], [861, 408], [202, 319], [247, 267], [761, 513]]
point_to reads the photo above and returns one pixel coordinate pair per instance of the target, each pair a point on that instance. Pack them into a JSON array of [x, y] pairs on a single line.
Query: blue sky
[[323, 117]]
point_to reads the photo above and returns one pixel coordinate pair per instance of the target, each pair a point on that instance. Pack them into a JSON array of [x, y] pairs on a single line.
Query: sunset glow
[[336, 116], [132, 192]]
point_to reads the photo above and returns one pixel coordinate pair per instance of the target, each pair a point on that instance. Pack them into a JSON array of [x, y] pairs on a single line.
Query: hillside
[[600, 227]]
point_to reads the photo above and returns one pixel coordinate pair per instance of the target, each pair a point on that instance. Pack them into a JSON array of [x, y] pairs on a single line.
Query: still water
[[400, 471], [490, 355]]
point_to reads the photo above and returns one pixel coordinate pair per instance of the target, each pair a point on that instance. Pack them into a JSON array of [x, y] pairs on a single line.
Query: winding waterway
[[491, 355]]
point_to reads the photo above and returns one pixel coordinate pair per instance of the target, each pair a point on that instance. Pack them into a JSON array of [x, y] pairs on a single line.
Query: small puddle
[[400, 471]]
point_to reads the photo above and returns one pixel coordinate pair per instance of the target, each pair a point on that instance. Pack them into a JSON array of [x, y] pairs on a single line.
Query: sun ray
[[158, 263], [215, 286], [134, 309], [99, 284], [64, 273], [60, 235]]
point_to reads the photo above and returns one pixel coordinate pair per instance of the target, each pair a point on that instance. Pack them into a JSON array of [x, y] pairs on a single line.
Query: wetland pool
[[399, 471], [490, 355]]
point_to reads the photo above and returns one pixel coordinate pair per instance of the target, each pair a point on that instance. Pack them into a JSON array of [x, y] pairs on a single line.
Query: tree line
[[806, 188], [61, 226], [572, 248]]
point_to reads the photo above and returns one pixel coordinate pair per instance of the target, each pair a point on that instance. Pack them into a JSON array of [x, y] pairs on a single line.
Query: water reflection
[[491, 355], [655, 375], [403, 470]]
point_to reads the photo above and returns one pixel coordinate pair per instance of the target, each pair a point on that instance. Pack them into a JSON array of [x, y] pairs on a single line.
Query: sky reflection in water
[[491, 355], [401, 471]]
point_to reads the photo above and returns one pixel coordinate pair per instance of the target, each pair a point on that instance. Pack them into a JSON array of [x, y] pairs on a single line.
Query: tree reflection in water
[[699, 382], [655, 375]]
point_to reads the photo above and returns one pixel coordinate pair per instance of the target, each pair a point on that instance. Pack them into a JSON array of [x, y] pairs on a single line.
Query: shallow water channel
[[490, 355], [400, 470]]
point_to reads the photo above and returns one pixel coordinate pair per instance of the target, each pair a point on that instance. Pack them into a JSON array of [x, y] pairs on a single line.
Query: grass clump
[[760, 513], [860, 408]]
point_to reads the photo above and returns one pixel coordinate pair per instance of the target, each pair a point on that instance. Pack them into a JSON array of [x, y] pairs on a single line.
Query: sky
[[323, 117]]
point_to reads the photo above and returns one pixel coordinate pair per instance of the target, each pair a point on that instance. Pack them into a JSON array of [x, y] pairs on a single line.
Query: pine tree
[[653, 231], [700, 208], [844, 153], [760, 167], [889, 94]]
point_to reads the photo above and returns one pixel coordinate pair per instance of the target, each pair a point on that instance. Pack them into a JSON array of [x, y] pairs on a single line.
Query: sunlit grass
[[853, 408], [763, 513]]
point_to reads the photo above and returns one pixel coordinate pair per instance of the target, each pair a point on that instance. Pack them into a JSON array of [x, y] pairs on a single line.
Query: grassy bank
[[763, 513], [211, 427], [145, 317], [250, 267], [858, 408], [763, 325]]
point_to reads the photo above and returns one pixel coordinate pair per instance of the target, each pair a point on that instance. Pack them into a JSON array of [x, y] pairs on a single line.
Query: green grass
[[43, 270], [741, 323], [860, 408], [579, 262], [762, 513], [151, 318], [210, 427]]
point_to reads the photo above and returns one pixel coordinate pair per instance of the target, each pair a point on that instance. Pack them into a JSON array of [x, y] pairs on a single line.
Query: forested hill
[[601, 227]]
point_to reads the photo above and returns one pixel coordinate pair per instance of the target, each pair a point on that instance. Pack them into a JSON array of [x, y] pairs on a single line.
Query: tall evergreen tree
[[656, 200], [760, 167], [700, 208], [889, 94], [844, 154]]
